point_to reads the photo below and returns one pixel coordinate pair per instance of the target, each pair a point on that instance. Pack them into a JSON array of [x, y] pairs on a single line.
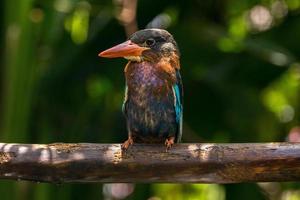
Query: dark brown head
[[147, 44]]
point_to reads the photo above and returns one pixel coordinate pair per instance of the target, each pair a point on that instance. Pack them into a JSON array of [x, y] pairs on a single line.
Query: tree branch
[[203, 163]]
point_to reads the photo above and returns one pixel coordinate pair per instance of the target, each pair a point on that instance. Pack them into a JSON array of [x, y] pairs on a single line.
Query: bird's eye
[[150, 42]]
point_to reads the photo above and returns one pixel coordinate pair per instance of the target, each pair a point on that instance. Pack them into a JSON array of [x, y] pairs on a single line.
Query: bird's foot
[[127, 143], [169, 142]]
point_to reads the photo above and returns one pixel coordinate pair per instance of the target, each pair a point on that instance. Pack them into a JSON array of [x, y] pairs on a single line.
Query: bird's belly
[[151, 118]]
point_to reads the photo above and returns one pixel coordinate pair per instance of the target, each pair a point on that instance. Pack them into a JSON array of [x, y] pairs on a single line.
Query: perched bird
[[153, 102]]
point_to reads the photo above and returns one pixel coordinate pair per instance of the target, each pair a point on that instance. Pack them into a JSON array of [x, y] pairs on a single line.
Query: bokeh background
[[240, 68]]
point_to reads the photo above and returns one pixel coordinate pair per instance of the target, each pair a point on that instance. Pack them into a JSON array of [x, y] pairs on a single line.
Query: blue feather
[[178, 105], [178, 90]]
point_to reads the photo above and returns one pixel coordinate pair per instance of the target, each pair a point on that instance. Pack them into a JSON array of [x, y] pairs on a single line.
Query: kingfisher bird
[[153, 102]]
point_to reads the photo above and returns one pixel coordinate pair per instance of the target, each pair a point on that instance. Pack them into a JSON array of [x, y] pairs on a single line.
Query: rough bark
[[202, 163]]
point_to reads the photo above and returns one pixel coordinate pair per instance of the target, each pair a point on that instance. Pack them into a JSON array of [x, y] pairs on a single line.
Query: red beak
[[124, 49]]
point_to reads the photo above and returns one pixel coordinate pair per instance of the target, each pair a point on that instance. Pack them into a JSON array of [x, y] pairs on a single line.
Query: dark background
[[240, 68]]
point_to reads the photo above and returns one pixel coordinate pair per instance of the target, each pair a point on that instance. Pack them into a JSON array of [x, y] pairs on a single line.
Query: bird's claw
[[127, 144], [169, 143]]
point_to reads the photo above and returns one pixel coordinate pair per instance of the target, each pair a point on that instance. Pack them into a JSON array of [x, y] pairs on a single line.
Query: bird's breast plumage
[[149, 108]]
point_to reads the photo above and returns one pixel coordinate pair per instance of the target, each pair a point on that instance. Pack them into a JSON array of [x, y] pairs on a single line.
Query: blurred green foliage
[[240, 68]]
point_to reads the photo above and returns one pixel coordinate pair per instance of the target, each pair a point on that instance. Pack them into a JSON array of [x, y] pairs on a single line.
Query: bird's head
[[144, 45]]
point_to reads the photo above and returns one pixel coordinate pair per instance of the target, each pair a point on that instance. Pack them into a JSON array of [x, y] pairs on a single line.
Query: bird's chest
[[146, 81], [149, 91], [150, 101]]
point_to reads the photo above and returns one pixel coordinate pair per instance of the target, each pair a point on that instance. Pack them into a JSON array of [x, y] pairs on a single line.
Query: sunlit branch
[[203, 163]]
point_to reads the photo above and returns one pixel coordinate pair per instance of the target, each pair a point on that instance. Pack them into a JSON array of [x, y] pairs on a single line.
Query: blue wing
[[178, 104]]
